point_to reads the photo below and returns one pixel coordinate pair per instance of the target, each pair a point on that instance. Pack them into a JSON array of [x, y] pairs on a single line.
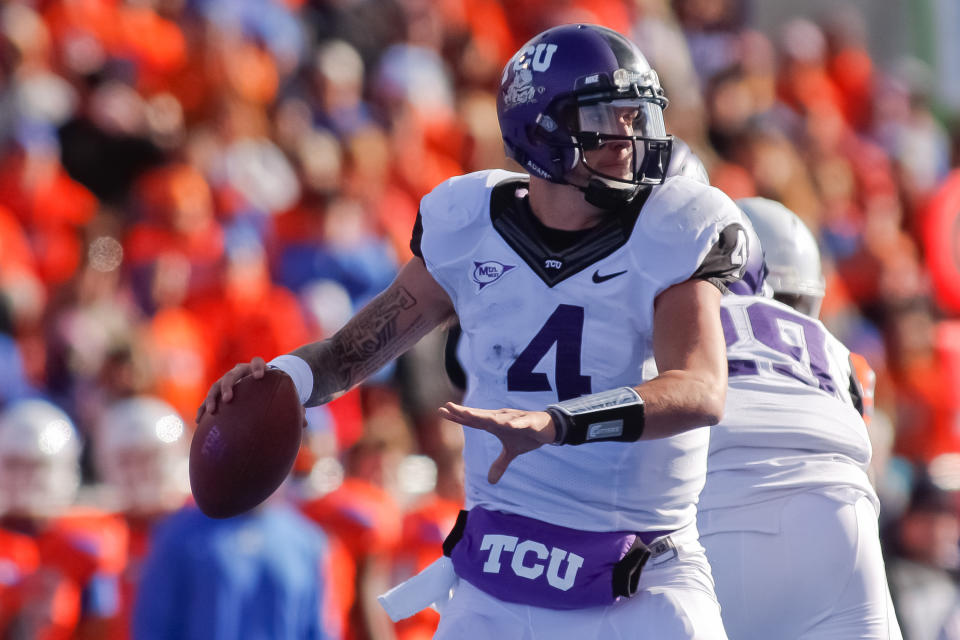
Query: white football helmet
[[791, 253], [141, 453], [684, 162], [39, 459]]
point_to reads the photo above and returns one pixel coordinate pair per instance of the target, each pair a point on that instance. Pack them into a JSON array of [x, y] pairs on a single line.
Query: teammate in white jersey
[[788, 515], [588, 293]]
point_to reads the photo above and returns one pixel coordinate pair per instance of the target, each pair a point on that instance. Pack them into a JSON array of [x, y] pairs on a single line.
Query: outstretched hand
[[222, 389], [519, 431]]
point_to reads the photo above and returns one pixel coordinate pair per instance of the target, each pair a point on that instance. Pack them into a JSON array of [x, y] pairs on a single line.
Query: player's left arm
[[692, 359], [689, 346]]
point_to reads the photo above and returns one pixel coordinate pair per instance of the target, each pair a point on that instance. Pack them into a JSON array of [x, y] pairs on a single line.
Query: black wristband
[[609, 416]]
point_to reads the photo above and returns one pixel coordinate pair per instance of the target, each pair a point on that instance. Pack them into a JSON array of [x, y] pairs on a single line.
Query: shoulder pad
[[682, 204], [457, 202], [456, 215], [677, 228]]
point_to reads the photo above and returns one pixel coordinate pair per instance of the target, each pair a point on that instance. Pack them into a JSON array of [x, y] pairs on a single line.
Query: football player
[[141, 455], [588, 292], [788, 515], [61, 562]]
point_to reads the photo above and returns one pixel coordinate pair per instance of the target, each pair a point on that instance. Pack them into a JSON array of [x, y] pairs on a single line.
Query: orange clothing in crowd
[[137, 33], [868, 383], [530, 17], [851, 70], [362, 515], [51, 206], [264, 323], [928, 406], [63, 577], [15, 250], [19, 559], [487, 23], [181, 358], [136, 553], [941, 243], [366, 520]]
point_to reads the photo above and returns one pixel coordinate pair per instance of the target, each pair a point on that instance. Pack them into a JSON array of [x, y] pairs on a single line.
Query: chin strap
[[604, 196]]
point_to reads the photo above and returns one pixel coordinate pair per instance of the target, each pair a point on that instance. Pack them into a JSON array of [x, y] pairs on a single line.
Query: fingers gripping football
[[243, 451], [519, 431], [222, 389]]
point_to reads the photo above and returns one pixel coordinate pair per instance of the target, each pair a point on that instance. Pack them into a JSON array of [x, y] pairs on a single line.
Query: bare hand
[[222, 389], [519, 431]]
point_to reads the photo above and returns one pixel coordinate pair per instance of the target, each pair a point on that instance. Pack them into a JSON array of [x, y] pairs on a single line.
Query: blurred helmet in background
[[684, 162], [39, 460], [141, 452], [791, 253]]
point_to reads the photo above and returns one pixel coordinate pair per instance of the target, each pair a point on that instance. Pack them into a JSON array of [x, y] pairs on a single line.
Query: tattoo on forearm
[[371, 339], [364, 345]]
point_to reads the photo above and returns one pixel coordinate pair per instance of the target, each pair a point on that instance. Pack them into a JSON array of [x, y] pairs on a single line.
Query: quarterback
[[588, 292]]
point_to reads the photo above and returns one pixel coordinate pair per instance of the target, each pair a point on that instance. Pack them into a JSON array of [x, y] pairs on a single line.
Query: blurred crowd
[[186, 184]]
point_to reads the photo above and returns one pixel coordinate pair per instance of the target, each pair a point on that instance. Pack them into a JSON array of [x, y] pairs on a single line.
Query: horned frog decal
[[521, 90]]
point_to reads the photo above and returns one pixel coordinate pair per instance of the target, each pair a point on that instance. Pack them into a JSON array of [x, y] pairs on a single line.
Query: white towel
[[431, 587]]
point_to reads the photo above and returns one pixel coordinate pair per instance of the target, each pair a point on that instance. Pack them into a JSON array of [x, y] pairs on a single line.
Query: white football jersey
[[790, 422], [541, 326]]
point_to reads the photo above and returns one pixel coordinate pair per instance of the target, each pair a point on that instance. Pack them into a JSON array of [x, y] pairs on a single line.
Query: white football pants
[[803, 567], [675, 601]]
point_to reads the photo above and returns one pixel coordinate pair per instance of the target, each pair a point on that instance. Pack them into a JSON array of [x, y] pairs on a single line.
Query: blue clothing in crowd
[[258, 576]]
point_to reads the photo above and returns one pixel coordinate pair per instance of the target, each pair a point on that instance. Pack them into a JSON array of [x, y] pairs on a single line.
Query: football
[[243, 452]]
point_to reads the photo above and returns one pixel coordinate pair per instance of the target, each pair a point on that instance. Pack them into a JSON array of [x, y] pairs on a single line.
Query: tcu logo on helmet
[[521, 90], [539, 57], [528, 557], [527, 60]]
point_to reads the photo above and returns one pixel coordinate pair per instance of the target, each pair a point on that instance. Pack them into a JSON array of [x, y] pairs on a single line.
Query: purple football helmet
[[753, 282], [574, 88]]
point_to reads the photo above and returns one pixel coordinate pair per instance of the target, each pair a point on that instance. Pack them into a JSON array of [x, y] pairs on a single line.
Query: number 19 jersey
[[541, 324], [790, 423]]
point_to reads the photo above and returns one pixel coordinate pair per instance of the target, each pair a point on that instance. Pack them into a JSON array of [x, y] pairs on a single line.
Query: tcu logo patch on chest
[[531, 560]]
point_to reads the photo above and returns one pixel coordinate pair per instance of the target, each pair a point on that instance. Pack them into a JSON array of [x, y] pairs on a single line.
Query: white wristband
[[299, 371]]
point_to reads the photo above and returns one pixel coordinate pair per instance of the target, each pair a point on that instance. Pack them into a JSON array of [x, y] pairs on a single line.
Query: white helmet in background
[[39, 459], [794, 271], [684, 162], [141, 453]]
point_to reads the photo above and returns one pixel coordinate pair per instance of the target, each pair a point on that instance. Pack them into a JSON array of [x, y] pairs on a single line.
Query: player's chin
[[615, 173], [618, 169]]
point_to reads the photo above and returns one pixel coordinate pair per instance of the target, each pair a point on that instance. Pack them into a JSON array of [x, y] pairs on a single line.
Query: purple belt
[[523, 560]]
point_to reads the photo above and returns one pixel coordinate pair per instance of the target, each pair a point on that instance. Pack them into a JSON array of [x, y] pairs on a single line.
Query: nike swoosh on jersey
[[603, 278]]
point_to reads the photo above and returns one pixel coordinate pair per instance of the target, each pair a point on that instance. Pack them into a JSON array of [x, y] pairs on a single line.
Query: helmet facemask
[[625, 122]]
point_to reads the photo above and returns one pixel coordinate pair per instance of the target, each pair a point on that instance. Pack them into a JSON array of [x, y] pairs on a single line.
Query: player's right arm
[[412, 306]]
